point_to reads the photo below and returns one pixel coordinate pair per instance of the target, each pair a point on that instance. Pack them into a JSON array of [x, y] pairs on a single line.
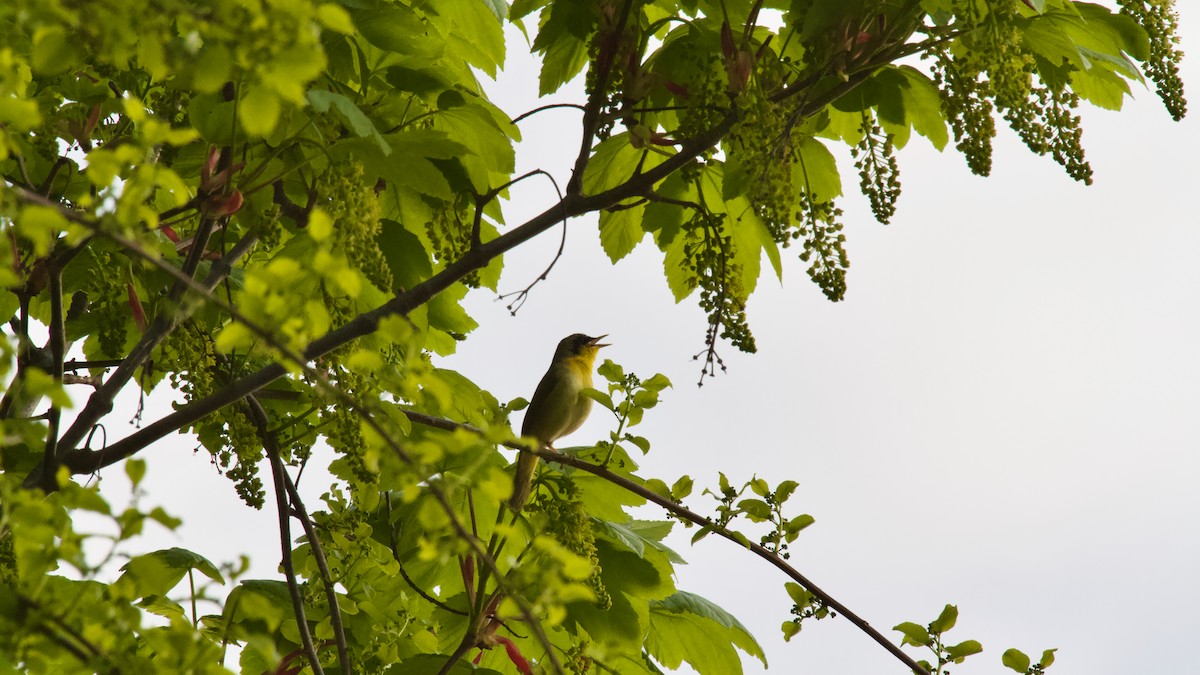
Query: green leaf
[[658, 487], [964, 649], [405, 255], [321, 100], [135, 469], [790, 630], [1047, 659], [914, 634], [562, 40], [1016, 660], [621, 231], [561, 62], [682, 488], [680, 280], [598, 396], [687, 627], [923, 107], [474, 31], [760, 487], [54, 51], [799, 595], [396, 28], [259, 110], [158, 572], [945, 620], [757, 509], [784, 490], [817, 171], [613, 162]]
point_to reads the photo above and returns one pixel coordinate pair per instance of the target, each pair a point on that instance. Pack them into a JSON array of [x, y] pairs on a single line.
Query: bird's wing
[[550, 411]]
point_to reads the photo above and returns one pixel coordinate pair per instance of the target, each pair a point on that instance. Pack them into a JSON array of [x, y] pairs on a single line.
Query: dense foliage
[[272, 210]]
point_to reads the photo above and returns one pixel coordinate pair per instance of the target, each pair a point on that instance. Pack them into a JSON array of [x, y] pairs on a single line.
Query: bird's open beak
[[596, 341]]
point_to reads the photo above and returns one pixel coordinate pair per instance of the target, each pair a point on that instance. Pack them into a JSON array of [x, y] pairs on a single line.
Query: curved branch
[[387, 500], [551, 106], [523, 294], [693, 517]]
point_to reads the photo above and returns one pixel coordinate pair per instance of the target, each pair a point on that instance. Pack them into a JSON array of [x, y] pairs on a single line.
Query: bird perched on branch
[[558, 406]]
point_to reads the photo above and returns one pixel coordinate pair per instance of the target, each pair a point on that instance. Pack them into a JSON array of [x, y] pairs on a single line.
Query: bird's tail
[[523, 480]]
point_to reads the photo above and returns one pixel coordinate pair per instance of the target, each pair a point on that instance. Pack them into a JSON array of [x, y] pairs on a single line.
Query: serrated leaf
[[687, 627], [681, 280], [621, 231], [322, 100]]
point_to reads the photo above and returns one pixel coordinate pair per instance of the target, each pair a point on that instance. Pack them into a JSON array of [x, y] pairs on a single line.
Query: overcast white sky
[[1000, 415]]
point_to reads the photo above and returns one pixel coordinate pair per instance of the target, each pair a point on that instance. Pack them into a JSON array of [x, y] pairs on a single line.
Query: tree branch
[[573, 204], [692, 517], [271, 444]]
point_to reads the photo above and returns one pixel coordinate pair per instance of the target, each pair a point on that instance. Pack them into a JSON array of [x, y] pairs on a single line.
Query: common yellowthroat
[[558, 406]]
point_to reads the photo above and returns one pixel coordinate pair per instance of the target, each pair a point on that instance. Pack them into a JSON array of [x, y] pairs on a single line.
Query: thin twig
[[58, 348], [335, 611], [551, 106], [387, 497], [523, 294], [285, 537]]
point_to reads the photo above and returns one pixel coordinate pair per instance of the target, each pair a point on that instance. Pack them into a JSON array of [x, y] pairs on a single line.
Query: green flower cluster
[[108, 301], [878, 171], [710, 254], [572, 527], [1161, 23], [354, 209], [231, 438]]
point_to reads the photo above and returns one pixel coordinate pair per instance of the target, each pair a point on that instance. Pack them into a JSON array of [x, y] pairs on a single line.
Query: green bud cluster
[[342, 426], [1047, 123], [762, 142], [571, 526], [824, 245], [576, 659], [708, 96], [1161, 23], [244, 449], [232, 438], [710, 254], [878, 171], [108, 301], [449, 233], [966, 102], [269, 228], [354, 209]]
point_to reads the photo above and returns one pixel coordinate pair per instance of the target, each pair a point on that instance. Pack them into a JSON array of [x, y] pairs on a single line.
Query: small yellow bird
[[558, 406]]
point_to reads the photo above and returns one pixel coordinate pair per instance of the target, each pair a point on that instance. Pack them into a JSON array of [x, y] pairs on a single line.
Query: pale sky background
[[1001, 415]]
